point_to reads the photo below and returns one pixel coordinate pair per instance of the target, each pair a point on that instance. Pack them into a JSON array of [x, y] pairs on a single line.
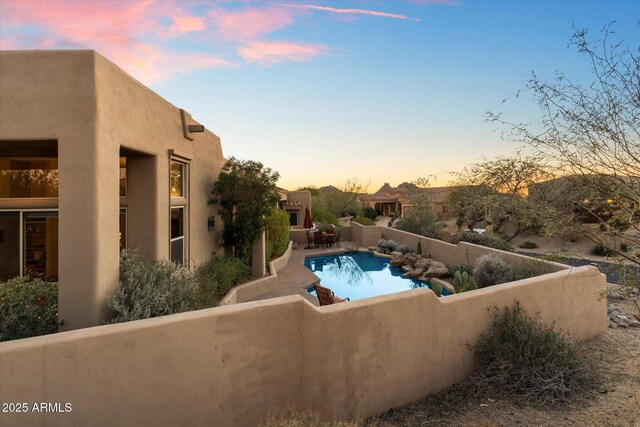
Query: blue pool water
[[360, 275]]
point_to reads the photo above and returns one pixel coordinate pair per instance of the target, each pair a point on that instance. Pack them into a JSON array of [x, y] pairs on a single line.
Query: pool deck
[[295, 278]]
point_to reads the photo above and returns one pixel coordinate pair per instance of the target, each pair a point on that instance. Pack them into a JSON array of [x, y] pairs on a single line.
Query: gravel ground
[[615, 403]]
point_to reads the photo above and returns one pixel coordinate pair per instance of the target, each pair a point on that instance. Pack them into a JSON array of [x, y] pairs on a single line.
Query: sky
[[325, 91]]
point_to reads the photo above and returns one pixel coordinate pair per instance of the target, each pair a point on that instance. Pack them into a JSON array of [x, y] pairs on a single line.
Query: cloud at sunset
[[159, 40]]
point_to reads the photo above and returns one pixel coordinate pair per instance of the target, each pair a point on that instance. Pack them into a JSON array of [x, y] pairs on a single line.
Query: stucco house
[[295, 203], [92, 161], [388, 200]]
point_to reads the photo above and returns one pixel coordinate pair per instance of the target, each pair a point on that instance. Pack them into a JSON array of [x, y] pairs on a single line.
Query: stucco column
[[258, 261]]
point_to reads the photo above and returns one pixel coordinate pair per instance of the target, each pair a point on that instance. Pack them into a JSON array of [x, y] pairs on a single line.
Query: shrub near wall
[[27, 308], [217, 277], [277, 233]]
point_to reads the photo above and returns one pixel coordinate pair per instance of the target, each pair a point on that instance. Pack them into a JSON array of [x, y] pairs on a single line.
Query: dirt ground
[[615, 403]]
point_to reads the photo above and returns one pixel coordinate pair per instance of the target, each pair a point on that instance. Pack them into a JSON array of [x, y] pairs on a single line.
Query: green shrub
[[419, 248], [482, 240], [601, 250], [217, 276], [325, 217], [150, 288], [527, 268], [363, 221], [528, 360], [27, 308], [277, 232], [463, 283], [491, 270], [386, 246], [528, 245], [369, 212]]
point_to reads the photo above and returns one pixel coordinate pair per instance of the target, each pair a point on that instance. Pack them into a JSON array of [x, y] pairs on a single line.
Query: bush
[[527, 268], [292, 418], [491, 270], [217, 276], [27, 308], [387, 246], [325, 217], [482, 240], [601, 250], [528, 245], [149, 288], [363, 221], [526, 359], [369, 212], [277, 233]]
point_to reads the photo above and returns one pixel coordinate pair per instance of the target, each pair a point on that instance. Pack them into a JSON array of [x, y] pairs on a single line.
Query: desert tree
[[589, 132]]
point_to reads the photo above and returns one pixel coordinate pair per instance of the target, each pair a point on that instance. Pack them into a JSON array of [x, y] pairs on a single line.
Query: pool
[[360, 275]]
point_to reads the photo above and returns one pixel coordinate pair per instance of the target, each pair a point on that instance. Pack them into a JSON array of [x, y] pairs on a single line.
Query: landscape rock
[[438, 269], [414, 274], [397, 259], [423, 263], [406, 268], [423, 278], [634, 324], [373, 248], [411, 259]]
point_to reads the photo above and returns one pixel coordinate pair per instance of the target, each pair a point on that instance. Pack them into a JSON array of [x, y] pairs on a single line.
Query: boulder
[[423, 263], [373, 248], [438, 269], [423, 278], [397, 259], [406, 268], [411, 259], [414, 274]]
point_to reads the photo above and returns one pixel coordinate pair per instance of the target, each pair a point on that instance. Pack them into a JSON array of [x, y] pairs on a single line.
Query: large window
[[293, 218], [177, 235], [29, 244], [28, 177]]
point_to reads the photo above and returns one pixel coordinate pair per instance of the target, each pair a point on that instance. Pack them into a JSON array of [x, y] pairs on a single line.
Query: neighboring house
[[296, 204], [91, 162], [388, 200]]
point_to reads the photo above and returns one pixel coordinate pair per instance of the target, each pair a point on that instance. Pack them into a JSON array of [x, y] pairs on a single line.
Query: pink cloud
[[251, 23], [271, 52], [128, 33], [348, 11]]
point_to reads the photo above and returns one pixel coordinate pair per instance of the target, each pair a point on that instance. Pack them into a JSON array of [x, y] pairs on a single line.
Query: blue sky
[[323, 91]]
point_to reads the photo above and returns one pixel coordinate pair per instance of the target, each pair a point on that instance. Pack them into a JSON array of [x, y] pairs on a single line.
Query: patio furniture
[[319, 239], [310, 240], [329, 239], [327, 297], [336, 239]]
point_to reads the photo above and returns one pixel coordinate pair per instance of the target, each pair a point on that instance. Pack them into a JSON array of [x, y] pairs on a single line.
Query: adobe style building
[[388, 200], [91, 162], [295, 203]]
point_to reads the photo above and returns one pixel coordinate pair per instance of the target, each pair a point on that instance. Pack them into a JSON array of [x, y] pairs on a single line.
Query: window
[[29, 244], [293, 218], [28, 177], [177, 179], [123, 229], [123, 176], [177, 235]]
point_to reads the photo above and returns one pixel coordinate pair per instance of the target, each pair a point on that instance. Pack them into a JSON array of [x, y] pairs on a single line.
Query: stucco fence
[[233, 365]]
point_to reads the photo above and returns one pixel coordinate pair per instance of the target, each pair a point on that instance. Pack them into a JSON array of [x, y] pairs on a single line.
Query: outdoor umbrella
[[307, 219]]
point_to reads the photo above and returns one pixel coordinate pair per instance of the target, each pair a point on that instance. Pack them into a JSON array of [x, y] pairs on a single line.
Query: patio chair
[[327, 297], [336, 239], [310, 239], [318, 239], [329, 239]]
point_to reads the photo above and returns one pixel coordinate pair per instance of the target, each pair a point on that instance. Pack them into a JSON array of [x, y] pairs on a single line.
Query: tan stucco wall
[[232, 365], [93, 108]]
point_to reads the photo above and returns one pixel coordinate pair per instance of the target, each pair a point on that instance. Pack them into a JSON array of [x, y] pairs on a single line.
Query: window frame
[[180, 202]]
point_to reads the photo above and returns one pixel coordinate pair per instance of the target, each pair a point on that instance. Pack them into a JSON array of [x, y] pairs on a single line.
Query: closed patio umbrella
[[308, 223]]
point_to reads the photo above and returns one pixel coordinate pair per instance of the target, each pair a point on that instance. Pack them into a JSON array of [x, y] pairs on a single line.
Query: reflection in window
[[123, 177], [41, 245], [177, 235], [9, 245], [177, 179], [25, 177], [123, 229]]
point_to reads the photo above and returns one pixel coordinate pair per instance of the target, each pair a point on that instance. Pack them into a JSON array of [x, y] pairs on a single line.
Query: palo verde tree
[[420, 218], [246, 192], [590, 131]]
